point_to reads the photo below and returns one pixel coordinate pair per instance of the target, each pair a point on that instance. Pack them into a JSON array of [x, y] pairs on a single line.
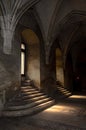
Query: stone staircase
[[62, 92], [28, 101]]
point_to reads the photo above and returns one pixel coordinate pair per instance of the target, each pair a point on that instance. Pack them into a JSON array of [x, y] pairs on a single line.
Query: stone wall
[[59, 67], [9, 70], [33, 63]]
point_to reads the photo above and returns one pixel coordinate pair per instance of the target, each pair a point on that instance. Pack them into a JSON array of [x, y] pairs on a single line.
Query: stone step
[[31, 111], [27, 101], [64, 92], [28, 80], [28, 92], [64, 95], [28, 105], [62, 89], [68, 94], [59, 97], [31, 93], [26, 83], [27, 98], [17, 102], [34, 95], [26, 87]]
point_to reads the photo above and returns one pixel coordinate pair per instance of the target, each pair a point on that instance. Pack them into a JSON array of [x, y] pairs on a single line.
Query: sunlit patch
[[22, 46], [78, 97], [62, 109], [22, 62]]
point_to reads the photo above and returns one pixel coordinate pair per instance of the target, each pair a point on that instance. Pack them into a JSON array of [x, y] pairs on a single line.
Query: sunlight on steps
[[28, 101]]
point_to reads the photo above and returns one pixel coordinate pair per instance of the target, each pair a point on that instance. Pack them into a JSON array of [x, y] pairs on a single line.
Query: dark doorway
[[69, 73], [81, 71]]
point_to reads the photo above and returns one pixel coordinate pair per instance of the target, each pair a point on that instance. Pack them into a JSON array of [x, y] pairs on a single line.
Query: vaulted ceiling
[[56, 18]]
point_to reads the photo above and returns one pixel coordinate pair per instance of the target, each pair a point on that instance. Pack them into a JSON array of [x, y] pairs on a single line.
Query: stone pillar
[[7, 37], [47, 73], [7, 29]]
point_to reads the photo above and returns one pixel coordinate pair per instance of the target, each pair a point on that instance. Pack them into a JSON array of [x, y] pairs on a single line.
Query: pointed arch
[[2, 7], [53, 19], [23, 9]]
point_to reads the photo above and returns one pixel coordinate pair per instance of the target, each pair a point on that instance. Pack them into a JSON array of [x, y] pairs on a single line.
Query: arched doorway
[[81, 71], [69, 72], [75, 69], [59, 67], [56, 62], [56, 70], [32, 56], [28, 35]]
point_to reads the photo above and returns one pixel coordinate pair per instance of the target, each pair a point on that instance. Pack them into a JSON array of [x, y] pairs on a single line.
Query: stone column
[[7, 29], [7, 37]]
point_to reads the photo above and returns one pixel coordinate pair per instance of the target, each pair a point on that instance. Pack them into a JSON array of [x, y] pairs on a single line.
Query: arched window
[[22, 59]]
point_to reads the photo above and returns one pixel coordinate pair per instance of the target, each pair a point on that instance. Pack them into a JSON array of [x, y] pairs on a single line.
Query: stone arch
[[81, 70], [31, 49], [68, 73], [40, 31], [32, 67], [3, 10], [75, 44], [68, 20], [73, 37], [36, 15], [53, 19], [56, 61], [10, 22], [59, 67], [24, 9]]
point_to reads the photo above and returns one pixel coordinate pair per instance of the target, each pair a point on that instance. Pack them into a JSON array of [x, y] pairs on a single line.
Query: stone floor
[[69, 114]]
